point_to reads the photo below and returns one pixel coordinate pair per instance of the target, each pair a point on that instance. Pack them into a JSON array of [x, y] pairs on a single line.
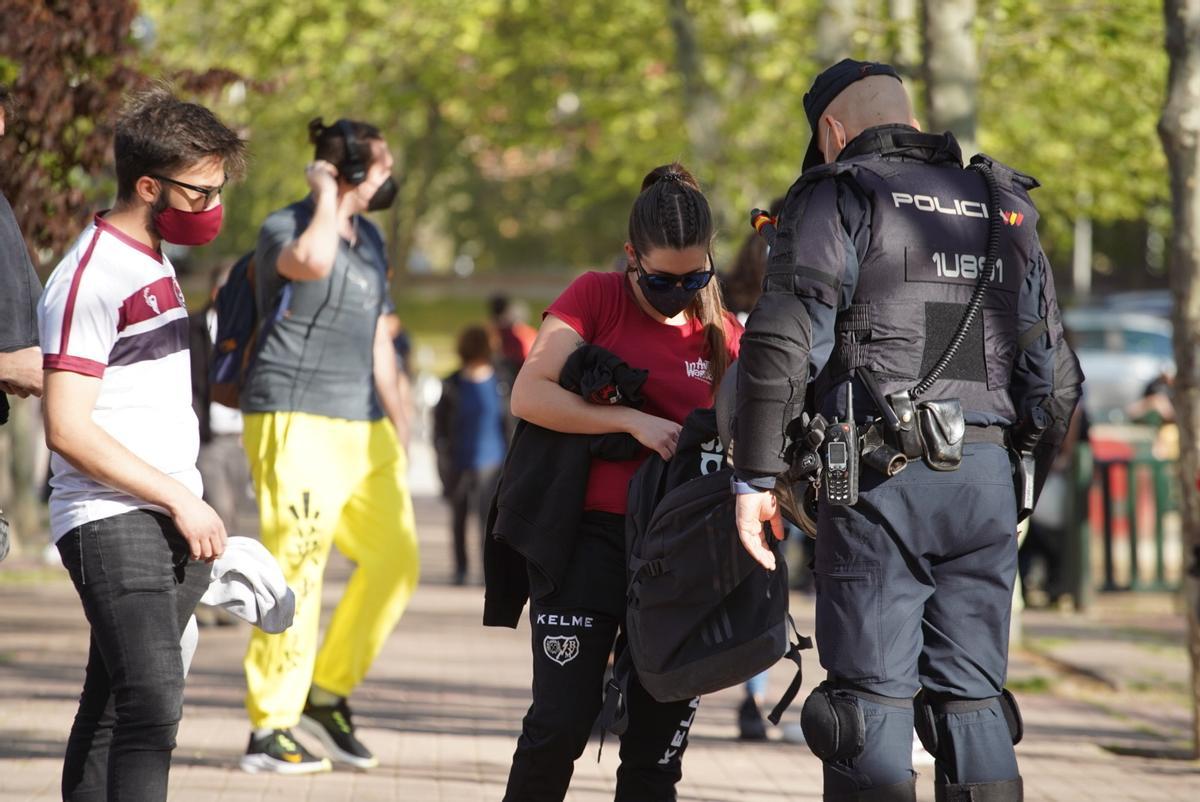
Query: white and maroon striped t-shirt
[[113, 309]]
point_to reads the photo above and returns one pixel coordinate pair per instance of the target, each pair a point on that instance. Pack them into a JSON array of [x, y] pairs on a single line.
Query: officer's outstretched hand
[[753, 510]]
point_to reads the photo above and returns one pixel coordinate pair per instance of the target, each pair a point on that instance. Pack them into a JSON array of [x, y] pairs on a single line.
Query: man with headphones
[[324, 432]]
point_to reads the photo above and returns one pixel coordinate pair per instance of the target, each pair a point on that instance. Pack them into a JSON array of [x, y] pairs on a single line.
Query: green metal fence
[[1129, 525]]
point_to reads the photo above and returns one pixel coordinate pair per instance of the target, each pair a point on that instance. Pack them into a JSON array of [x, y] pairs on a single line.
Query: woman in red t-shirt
[[664, 314]]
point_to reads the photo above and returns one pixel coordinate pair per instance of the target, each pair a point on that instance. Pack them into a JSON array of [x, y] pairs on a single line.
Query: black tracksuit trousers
[[574, 632]]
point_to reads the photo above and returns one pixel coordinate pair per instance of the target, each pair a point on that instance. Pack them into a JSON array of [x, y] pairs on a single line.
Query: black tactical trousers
[[914, 590], [574, 632]]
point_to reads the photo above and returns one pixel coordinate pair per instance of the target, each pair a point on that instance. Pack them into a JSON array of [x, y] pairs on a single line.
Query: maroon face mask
[[182, 227]]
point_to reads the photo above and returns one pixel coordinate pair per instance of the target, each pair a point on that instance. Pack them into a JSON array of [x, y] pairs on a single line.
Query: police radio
[[841, 450]]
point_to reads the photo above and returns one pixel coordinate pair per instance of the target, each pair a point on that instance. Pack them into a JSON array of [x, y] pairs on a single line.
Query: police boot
[[905, 791], [1007, 791]]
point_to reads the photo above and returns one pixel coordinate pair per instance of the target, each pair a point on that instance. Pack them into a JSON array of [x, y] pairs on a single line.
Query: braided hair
[[672, 212]]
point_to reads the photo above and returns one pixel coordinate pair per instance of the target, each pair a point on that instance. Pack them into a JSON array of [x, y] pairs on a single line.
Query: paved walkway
[[442, 708]]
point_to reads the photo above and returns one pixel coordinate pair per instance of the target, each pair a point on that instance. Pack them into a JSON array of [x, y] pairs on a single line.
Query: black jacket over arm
[[539, 503]]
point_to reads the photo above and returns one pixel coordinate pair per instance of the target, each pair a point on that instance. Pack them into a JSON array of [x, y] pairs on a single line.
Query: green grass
[[1035, 684]]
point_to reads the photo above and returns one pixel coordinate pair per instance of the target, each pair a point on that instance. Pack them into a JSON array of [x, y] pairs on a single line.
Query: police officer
[[880, 247]]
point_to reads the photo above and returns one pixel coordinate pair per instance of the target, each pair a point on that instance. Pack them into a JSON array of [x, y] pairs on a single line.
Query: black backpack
[[240, 330], [702, 615]]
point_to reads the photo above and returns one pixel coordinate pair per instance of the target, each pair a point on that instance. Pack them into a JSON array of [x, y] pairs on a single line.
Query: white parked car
[[1121, 354]]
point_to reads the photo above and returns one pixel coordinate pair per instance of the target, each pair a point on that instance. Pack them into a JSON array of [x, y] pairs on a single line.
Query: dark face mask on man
[[384, 197], [671, 294]]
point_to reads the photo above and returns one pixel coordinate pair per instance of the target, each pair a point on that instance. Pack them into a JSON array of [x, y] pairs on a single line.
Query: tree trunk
[[1179, 129], [423, 163], [834, 39], [906, 36], [701, 109], [951, 69]]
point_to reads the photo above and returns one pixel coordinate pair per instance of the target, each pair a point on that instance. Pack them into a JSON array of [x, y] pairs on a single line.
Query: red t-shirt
[[602, 309]]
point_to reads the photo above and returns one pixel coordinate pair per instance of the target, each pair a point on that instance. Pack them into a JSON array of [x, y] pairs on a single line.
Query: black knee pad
[[1006, 791], [925, 708], [832, 722]]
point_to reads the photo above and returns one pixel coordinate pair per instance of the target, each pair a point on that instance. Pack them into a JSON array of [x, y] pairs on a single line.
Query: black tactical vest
[[926, 252]]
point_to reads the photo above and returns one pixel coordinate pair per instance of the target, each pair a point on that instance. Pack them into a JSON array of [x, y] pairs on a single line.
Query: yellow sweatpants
[[321, 482]]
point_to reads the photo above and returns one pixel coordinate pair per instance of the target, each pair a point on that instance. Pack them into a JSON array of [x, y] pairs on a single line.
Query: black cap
[[829, 85]]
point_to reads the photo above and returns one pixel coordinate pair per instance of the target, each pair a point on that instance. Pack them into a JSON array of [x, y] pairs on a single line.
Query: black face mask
[[384, 197], [667, 302]]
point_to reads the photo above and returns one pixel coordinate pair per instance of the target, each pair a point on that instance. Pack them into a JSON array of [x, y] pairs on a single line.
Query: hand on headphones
[[322, 177]]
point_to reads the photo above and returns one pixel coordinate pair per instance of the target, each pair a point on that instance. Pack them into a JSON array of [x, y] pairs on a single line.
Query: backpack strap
[[793, 653], [614, 715]]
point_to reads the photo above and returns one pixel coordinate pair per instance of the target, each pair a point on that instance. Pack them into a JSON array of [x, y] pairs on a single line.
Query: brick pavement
[[442, 708]]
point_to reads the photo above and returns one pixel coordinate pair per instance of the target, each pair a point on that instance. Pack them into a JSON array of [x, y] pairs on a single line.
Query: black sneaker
[[279, 752], [332, 726], [751, 726]]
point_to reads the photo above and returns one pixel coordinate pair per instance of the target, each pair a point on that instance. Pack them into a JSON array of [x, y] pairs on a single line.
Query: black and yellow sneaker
[[278, 752], [333, 727]]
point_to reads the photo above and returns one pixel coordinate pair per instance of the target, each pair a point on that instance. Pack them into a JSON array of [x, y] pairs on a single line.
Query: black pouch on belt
[[942, 430], [907, 438]]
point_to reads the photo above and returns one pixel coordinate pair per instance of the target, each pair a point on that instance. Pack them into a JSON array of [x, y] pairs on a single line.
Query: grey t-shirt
[[317, 356], [20, 288], [19, 292]]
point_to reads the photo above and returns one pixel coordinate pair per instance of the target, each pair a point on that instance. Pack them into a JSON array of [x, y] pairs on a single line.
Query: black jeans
[[472, 493], [573, 635], [138, 587]]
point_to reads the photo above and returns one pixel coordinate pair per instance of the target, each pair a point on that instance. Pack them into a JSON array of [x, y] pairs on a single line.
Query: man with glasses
[[125, 504]]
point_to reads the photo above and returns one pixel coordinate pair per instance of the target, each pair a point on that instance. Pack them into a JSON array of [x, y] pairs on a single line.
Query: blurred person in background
[[324, 433], [1156, 408], [743, 282], [516, 335], [1041, 558], [222, 462], [471, 429]]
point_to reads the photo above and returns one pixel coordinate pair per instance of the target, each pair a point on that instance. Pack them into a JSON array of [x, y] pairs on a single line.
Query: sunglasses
[[207, 192], [661, 282]]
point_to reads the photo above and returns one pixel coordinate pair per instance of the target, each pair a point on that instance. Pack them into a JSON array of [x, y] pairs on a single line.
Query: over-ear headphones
[[353, 169]]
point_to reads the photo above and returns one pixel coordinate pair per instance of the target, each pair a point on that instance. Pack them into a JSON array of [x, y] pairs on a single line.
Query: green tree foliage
[[67, 64], [1072, 92], [523, 127]]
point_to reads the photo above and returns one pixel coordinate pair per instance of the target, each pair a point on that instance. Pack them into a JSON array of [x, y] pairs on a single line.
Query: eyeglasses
[[207, 192], [661, 282]]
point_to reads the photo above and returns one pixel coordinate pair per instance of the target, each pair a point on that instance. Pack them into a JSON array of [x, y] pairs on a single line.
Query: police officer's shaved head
[[848, 98], [875, 100]]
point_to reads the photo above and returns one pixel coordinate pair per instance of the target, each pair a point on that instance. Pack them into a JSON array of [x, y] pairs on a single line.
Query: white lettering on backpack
[[680, 735], [557, 620], [712, 457]]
